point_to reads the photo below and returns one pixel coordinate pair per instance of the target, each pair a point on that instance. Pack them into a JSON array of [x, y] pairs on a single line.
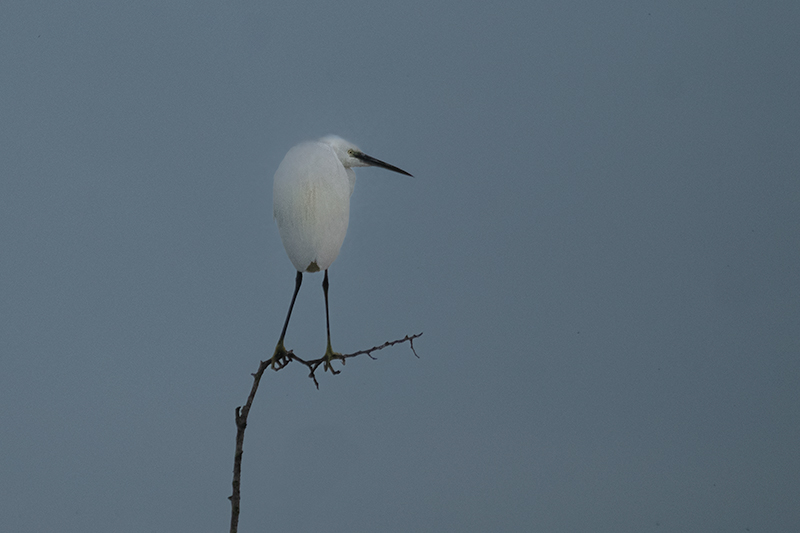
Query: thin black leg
[[297, 282], [280, 351], [327, 317], [329, 353]]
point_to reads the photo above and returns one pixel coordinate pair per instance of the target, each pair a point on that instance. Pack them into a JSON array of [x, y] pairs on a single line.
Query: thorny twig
[[243, 411], [314, 363]]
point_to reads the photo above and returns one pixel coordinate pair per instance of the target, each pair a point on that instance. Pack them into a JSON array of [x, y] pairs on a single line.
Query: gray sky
[[600, 244]]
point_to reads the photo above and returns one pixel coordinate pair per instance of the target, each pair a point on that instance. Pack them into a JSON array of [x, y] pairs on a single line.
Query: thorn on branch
[[411, 342]]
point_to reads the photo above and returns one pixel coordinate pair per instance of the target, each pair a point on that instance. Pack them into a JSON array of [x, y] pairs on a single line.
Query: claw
[[329, 356], [280, 357]]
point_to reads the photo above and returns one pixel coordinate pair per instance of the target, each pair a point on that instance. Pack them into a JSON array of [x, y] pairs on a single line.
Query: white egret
[[311, 204]]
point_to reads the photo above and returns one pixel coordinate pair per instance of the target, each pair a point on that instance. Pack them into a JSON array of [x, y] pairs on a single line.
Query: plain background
[[601, 244]]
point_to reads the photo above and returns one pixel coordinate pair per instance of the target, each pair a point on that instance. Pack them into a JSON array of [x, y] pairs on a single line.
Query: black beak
[[378, 163]]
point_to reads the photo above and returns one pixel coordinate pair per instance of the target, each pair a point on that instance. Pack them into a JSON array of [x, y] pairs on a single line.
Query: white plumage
[[311, 203]]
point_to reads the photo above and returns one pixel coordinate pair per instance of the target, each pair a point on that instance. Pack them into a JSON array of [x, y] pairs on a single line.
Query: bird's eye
[[351, 152]]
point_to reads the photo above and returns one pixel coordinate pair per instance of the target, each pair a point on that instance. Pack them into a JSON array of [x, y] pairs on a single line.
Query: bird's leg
[[280, 351], [329, 353]]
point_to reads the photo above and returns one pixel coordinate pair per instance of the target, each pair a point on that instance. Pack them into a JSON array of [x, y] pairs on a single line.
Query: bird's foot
[[280, 358], [329, 356]]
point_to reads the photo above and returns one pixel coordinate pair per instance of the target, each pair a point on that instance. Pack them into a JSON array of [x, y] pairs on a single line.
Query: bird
[[311, 205]]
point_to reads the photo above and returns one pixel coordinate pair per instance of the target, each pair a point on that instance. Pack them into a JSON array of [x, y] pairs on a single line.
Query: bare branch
[[243, 411], [315, 363]]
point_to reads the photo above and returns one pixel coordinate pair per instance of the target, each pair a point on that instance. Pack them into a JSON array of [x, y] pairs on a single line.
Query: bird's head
[[351, 156]]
